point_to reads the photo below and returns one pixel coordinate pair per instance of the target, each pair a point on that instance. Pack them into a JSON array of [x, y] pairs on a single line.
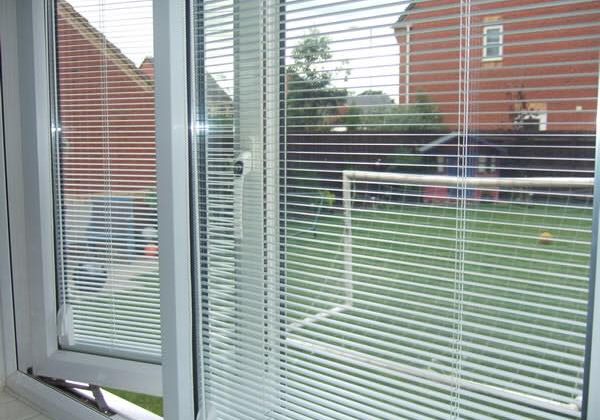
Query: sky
[[127, 24], [360, 34]]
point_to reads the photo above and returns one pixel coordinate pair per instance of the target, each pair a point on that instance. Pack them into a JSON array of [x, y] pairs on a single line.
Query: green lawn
[[150, 403], [517, 314], [513, 306]]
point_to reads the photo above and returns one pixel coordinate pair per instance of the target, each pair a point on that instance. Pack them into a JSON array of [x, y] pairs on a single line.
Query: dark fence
[[315, 161]]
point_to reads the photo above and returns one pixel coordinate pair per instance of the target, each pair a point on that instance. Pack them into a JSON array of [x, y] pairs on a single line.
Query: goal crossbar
[[470, 181], [351, 176]]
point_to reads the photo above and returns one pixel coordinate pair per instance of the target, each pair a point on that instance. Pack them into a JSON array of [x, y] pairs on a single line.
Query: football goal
[[380, 259]]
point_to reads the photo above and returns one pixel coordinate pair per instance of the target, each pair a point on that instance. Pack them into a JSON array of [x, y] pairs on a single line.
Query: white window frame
[[486, 29], [12, 257], [6, 318], [27, 71], [591, 383], [172, 134], [28, 164], [256, 40]]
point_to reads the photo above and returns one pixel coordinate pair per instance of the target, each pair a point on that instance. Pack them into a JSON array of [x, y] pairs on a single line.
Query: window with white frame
[[92, 295], [328, 249], [338, 265], [493, 40], [104, 170]]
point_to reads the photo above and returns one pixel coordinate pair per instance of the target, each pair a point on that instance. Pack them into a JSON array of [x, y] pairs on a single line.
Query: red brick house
[[107, 120], [106, 112], [533, 66]]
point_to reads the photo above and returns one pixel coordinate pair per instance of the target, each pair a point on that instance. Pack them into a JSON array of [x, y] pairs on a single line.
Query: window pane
[[492, 36], [104, 171], [394, 228], [492, 51]]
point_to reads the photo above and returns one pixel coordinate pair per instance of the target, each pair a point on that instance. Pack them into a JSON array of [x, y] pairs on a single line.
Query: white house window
[[492, 42]]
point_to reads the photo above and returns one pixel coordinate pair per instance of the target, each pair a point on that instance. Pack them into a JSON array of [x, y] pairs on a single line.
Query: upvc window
[[104, 179], [315, 263], [86, 279], [341, 275], [493, 42]]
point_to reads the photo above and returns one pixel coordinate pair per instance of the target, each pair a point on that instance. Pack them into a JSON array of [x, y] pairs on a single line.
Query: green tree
[[421, 116], [372, 92], [312, 100]]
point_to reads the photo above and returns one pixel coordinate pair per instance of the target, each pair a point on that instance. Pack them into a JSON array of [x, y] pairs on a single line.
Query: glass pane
[[492, 51], [428, 254], [492, 36], [104, 172], [526, 243], [371, 319]]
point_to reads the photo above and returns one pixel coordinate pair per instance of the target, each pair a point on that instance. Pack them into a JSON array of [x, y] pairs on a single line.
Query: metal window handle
[[238, 168], [242, 164]]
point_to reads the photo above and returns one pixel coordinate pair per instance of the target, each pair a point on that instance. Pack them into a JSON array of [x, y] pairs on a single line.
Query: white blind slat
[[104, 171], [420, 186]]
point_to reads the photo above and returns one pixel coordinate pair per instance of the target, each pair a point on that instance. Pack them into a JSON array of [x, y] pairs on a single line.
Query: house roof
[[216, 92], [400, 22], [97, 38], [454, 135]]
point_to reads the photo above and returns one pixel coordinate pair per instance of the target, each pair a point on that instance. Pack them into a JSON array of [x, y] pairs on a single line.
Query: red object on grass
[[151, 250]]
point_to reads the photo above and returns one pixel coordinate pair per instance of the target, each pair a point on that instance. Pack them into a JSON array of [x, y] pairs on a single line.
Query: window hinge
[[73, 388]]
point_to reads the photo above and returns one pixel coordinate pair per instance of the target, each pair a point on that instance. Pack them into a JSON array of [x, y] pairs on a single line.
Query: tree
[[312, 101], [421, 116]]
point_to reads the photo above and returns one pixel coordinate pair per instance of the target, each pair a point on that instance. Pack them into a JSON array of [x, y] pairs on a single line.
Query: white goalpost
[[350, 177], [328, 350]]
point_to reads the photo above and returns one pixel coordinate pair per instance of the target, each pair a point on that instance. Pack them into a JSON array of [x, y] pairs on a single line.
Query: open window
[[96, 293], [332, 246]]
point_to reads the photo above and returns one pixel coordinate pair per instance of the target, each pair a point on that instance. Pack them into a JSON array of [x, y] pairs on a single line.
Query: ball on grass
[[545, 238]]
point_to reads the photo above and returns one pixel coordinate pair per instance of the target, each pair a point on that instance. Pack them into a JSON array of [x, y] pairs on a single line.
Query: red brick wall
[[537, 67], [106, 112]]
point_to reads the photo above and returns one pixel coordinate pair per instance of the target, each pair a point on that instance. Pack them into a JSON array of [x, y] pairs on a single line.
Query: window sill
[[491, 59]]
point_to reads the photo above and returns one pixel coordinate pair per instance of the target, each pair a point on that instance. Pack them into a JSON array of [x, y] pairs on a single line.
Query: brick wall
[[106, 112], [538, 69]]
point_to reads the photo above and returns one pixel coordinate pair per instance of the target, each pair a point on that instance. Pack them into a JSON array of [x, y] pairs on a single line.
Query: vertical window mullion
[[173, 173]]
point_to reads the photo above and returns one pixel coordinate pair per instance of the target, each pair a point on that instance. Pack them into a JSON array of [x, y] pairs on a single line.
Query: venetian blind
[[394, 204], [104, 173]]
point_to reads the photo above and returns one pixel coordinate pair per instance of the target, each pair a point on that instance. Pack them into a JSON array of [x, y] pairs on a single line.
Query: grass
[[149, 402], [514, 305]]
